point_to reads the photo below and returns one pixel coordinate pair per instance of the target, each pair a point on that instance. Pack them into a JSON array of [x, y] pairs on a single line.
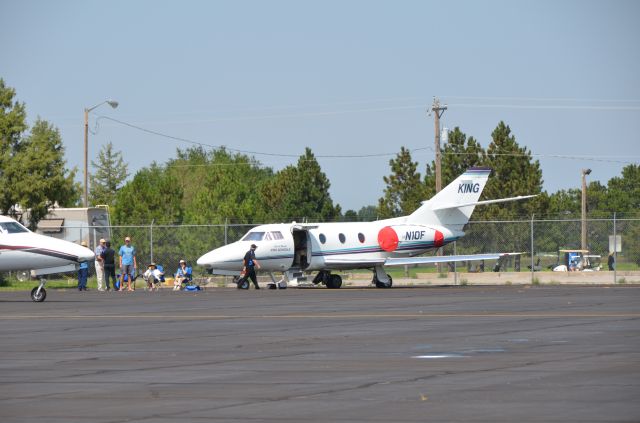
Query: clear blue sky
[[342, 77]]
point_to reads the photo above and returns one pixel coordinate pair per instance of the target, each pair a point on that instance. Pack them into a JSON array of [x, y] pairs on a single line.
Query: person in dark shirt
[[109, 256], [250, 263], [611, 262]]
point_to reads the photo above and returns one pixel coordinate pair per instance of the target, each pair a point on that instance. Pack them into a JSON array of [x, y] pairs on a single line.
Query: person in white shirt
[[152, 276]]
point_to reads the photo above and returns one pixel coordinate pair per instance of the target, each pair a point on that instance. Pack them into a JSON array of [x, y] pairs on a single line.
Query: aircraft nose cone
[[86, 255], [207, 260], [221, 258]]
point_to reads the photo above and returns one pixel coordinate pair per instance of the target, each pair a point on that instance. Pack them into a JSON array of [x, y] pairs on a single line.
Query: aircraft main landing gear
[[381, 279], [38, 294], [329, 280]]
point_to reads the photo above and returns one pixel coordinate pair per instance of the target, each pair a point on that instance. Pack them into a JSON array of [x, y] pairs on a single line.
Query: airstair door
[[301, 248]]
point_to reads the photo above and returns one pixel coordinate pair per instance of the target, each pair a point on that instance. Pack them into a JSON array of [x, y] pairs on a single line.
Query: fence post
[[226, 220], [151, 241], [455, 265], [615, 251], [532, 264]]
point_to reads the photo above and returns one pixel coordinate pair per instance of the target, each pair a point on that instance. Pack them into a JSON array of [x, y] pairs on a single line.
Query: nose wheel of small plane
[[38, 294]]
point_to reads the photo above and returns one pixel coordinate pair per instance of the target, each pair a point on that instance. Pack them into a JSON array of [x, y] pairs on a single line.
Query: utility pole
[[583, 238], [438, 110]]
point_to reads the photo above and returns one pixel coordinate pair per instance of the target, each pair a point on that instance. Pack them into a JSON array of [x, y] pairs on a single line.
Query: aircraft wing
[[356, 262], [401, 261], [445, 259]]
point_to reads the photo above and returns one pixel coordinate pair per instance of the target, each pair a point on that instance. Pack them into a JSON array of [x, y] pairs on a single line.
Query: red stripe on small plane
[[438, 239]]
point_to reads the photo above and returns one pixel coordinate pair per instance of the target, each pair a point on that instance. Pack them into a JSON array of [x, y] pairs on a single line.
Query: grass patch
[[622, 281]]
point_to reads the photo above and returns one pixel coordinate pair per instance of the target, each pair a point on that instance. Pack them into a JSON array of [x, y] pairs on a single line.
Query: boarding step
[[295, 276]]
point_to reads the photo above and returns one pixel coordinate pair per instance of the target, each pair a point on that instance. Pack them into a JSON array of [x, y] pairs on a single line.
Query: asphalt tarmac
[[472, 354]]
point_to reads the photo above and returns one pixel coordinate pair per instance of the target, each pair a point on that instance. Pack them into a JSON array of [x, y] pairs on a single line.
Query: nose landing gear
[[38, 294]]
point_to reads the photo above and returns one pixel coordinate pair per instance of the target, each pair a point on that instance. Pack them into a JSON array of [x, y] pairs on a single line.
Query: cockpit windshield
[[12, 228], [253, 236]]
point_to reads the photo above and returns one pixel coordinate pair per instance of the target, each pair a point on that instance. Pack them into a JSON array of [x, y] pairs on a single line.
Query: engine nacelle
[[411, 237]]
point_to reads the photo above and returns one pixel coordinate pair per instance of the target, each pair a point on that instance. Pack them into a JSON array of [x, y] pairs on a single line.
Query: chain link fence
[[539, 241]]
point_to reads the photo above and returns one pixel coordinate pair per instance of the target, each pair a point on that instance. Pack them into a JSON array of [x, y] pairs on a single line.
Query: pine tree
[[514, 173], [405, 190], [458, 155], [109, 176], [300, 192]]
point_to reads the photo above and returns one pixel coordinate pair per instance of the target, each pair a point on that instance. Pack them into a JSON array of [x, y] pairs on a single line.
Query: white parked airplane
[[294, 248], [21, 249]]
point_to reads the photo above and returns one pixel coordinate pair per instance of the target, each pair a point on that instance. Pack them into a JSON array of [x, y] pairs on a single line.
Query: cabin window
[[267, 236], [12, 228], [276, 235], [254, 236], [361, 237], [342, 238], [323, 239]]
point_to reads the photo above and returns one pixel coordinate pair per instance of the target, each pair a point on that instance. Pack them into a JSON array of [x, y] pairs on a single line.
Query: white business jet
[[294, 248], [21, 249]]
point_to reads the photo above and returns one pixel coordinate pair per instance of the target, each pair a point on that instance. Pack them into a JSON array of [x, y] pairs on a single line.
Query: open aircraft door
[[302, 252]]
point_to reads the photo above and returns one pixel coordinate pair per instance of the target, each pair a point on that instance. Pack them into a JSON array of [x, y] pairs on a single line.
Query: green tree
[[109, 176], [32, 168], [405, 190], [351, 216], [300, 192], [149, 197], [623, 193], [514, 173], [368, 214], [12, 124], [229, 190], [459, 154]]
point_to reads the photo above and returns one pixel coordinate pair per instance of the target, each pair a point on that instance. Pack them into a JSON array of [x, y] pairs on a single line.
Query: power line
[[598, 158], [256, 153]]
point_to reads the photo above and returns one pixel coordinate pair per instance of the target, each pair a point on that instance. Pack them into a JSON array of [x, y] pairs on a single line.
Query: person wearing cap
[[152, 276], [182, 275], [100, 263], [250, 263], [83, 272], [128, 263]]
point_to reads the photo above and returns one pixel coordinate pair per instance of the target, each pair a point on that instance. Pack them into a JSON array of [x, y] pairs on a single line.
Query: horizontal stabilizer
[[445, 259], [480, 203]]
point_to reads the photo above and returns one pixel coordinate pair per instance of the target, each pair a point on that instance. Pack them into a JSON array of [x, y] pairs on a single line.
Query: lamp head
[[586, 171], [112, 103]]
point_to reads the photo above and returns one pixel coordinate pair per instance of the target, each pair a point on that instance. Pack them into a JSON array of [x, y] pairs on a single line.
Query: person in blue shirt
[[83, 272], [128, 263], [183, 274]]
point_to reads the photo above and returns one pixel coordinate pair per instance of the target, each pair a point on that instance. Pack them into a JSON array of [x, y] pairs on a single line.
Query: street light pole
[[111, 103], [583, 240]]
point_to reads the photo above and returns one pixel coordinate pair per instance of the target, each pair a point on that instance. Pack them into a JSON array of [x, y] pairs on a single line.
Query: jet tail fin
[[452, 207]]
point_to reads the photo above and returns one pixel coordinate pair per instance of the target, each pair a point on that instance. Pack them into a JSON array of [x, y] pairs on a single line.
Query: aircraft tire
[[38, 298], [243, 284], [384, 285], [335, 282]]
